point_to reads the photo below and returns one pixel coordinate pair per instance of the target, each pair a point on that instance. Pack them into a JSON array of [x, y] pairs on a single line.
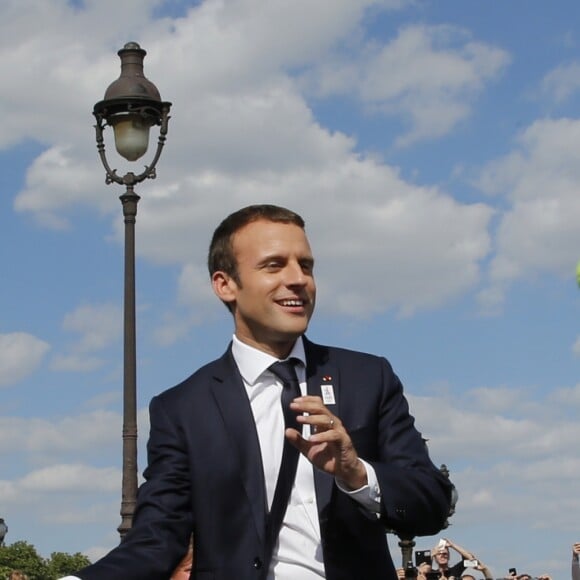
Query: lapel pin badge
[[327, 391]]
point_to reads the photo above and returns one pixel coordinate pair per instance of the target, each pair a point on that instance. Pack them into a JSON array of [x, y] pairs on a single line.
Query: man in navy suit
[[220, 439]]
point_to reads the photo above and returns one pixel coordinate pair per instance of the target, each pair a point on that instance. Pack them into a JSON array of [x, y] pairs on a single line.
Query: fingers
[[297, 440], [315, 451], [313, 412], [321, 424]]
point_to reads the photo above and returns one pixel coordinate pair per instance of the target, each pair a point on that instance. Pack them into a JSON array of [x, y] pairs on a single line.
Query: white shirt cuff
[[369, 496]]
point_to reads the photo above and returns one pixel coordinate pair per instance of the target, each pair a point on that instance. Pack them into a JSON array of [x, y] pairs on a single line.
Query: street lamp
[[3, 531], [132, 105]]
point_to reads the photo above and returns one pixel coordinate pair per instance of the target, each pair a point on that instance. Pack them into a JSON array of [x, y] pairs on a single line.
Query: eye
[[273, 265]]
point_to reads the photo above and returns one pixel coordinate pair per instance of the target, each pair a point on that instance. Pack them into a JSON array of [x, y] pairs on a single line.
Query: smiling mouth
[[294, 302]]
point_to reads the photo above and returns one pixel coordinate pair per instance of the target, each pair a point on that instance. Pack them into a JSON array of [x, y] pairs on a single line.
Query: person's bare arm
[[461, 551]]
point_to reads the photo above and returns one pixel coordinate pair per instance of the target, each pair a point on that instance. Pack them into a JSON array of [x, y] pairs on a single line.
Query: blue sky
[[433, 149]]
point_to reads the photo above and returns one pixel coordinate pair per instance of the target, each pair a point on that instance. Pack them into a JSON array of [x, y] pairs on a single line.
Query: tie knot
[[285, 370]]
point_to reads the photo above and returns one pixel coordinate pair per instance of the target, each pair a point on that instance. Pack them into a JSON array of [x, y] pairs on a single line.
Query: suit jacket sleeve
[[162, 522], [415, 495]]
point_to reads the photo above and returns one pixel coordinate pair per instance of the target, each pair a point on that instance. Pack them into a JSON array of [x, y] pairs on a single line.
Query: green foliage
[[24, 557], [62, 564]]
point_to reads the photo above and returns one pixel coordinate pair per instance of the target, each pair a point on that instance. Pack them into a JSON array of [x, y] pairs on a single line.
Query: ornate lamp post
[[3, 531], [132, 105]]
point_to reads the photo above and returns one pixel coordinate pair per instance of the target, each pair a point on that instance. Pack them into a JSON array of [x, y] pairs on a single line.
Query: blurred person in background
[[441, 557], [422, 571]]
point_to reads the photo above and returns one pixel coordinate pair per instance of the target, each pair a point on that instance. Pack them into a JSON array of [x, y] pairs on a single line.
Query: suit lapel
[[319, 371], [232, 400]]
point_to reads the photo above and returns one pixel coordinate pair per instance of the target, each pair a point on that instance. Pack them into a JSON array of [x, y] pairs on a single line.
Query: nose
[[294, 274]]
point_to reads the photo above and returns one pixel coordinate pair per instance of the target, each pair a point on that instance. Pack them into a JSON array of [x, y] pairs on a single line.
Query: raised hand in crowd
[[575, 562]]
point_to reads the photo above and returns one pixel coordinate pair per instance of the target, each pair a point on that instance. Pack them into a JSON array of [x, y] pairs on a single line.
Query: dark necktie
[[286, 372]]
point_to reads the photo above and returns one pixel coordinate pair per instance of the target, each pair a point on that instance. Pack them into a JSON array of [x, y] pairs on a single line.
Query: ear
[[224, 287]]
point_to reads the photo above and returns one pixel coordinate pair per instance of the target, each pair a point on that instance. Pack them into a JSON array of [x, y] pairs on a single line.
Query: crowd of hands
[[438, 565]]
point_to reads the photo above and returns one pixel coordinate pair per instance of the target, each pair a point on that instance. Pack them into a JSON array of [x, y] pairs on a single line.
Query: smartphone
[[422, 557], [470, 563], [512, 572]]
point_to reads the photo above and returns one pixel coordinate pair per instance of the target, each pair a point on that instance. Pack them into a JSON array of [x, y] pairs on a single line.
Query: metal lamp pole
[[132, 105]]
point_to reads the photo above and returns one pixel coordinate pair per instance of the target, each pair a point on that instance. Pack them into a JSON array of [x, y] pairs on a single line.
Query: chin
[[284, 335]]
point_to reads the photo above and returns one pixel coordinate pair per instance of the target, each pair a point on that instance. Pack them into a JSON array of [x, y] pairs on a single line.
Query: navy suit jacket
[[205, 476]]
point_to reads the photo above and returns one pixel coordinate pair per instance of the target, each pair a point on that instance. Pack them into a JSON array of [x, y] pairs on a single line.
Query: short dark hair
[[221, 256]]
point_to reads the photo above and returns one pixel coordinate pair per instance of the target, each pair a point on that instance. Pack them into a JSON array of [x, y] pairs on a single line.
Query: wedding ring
[[330, 423]]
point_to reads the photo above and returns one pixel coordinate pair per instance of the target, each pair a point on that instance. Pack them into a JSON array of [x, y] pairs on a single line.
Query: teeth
[[292, 302]]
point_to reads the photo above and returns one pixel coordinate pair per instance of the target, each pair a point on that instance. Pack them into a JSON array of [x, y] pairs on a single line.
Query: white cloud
[[70, 479], [524, 426], [20, 355], [98, 326], [562, 82], [569, 397], [507, 456], [60, 171], [92, 430], [76, 363], [428, 74], [539, 179], [60, 479]]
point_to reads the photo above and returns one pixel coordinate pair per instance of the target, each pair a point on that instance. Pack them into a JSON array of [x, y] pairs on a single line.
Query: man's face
[[274, 299], [442, 556]]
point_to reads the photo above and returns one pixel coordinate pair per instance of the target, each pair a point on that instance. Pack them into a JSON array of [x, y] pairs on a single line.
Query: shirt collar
[[252, 362]]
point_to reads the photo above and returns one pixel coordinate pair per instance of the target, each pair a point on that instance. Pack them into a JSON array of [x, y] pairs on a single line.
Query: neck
[[280, 350]]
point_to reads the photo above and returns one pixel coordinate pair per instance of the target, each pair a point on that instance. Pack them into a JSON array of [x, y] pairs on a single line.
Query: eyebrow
[[307, 259]]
